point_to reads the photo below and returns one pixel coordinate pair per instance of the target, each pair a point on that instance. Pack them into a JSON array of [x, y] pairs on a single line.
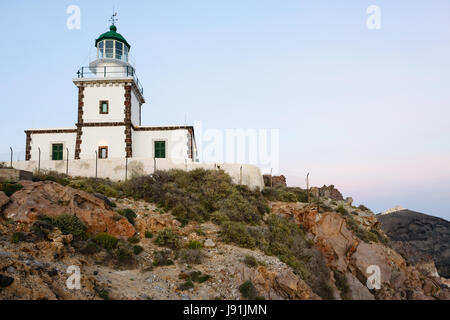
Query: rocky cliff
[[418, 237], [134, 249]]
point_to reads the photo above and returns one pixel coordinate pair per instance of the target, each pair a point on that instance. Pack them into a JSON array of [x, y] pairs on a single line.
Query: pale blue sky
[[365, 110]]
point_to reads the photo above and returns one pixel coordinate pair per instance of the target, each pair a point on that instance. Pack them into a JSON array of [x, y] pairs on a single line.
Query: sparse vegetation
[[10, 188], [105, 187], [41, 229], [191, 256], [237, 232], [186, 285], [248, 290], [167, 238], [49, 175], [194, 244], [342, 285], [106, 241], [161, 258], [129, 214], [17, 237], [68, 224], [196, 194], [137, 249], [251, 261], [285, 194], [134, 240], [148, 235]]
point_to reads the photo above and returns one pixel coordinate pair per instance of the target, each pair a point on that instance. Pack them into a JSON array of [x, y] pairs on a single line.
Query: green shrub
[[69, 224], [105, 187], [285, 194], [148, 234], [248, 290], [106, 241], [235, 232], [123, 252], [134, 240], [196, 194], [251, 261], [167, 238], [41, 229], [342, 285], [137, 249], [10, 188], [90, 247], [17, 237], [186, 285], [129, 214], [194, 244], [342, 210], [49, 175], [197, 276], [161, 258], [102, 292], [191, 256]]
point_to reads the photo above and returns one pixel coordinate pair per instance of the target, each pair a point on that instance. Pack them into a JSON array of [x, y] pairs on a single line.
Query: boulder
[[3, 199], [51, 199]]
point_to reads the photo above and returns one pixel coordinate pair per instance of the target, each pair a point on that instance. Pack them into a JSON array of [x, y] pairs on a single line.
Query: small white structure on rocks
[[108, 139]]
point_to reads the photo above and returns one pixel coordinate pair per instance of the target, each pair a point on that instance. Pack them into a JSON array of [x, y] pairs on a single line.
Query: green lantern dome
[[112, 35]]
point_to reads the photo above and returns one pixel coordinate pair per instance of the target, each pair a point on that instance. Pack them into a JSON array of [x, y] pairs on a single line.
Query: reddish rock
[[3, 199], [274, 180], [51, 199]]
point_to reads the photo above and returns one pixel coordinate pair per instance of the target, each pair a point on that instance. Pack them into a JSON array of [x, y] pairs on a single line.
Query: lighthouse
[[110, 102]]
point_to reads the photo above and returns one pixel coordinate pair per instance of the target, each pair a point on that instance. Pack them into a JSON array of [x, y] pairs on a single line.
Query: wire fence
[[13, 154]]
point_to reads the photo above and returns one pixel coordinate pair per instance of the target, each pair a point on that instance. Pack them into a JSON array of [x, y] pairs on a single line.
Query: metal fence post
[[39, 161], [240, 176], [10, 148], [154, 164], [126, 168], [96, 159], [67, 162]]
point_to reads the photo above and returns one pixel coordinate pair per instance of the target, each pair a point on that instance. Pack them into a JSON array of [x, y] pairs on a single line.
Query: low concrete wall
[[14, 175], [114, 169]]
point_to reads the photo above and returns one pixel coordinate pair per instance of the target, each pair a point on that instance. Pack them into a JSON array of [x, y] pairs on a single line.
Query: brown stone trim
[[100, 151], [79, 130], [163, 128], [103, 124], [127, 121], [44, 131], [190, 146], [28, 146], [127, 82]]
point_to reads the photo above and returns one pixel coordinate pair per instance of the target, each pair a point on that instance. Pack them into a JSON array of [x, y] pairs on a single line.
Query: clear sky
[[365, 110]]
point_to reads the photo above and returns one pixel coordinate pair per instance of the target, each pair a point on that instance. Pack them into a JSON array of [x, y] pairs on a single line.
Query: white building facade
[[110, 100]]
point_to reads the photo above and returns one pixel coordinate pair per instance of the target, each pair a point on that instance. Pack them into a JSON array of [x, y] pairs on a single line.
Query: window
[[104, 107], [57, 151], [160, 149], [109, 45], [102, 152], [119, 50], [100, 49]]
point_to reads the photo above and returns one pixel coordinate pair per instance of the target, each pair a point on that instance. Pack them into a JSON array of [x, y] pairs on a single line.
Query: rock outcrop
[[51, 199], [329, 192], [274, 180], [418, 236], [348, 254]]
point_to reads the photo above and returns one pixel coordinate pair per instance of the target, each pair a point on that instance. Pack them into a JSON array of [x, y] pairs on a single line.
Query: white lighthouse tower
[[109, 100]]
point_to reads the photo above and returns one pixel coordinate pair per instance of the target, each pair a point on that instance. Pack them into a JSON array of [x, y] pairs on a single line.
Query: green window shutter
[[160, 149], [57, 151]]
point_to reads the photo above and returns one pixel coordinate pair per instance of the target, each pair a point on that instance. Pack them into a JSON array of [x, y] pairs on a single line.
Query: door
[[57, 151]]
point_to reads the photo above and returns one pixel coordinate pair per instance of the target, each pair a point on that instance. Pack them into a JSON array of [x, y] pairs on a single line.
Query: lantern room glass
[[112, 49]]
